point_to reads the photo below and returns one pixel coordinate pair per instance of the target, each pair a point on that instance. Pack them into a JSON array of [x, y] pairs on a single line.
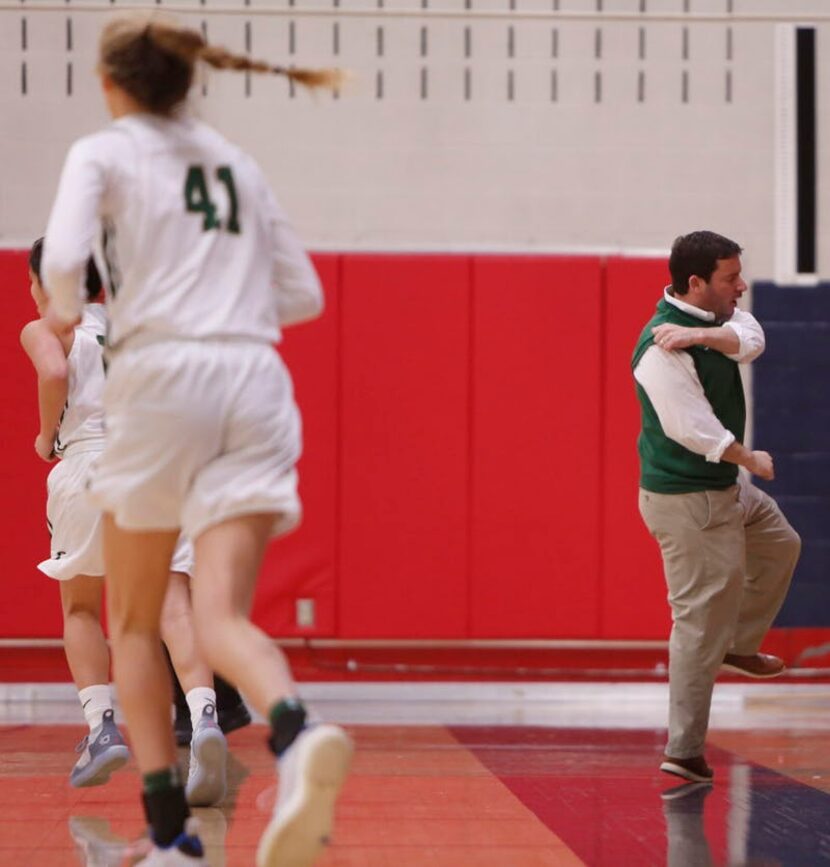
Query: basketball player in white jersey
[[203, 433], [70, 370]]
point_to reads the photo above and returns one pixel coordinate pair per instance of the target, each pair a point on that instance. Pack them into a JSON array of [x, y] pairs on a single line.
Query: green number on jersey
[[225, 175], [197, 198]]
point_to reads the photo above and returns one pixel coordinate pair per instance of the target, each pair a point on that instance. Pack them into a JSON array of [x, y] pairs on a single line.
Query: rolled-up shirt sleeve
[[72, 226], [750, 336], [675, 391]]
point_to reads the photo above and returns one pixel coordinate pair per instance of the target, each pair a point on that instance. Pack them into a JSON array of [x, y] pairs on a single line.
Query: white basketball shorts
[[198, 432], [75, 523]]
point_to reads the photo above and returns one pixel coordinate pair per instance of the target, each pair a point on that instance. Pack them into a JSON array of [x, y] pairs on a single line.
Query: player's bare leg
[[206, 779], [228, 559], [102, 751], [84, 642], [312, 761], [138, 569]]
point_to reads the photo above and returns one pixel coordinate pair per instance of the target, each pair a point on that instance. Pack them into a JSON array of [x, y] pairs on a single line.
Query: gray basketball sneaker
[[103, 751], [208, 758]]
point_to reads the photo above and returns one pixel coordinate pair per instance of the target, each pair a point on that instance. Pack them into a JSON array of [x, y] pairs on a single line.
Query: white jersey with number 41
[[195, 243]]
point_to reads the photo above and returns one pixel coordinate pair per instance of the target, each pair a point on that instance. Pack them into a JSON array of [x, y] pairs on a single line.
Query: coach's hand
[[761, 465], [671, 337]]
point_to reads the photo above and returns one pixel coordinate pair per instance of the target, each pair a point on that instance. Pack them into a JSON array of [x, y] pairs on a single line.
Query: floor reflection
[[601, 793], [438, 796], [686, 843], [96, 844]]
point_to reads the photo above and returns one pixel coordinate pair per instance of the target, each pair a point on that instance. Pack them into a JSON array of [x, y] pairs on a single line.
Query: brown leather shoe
[[759, 665], [694, 769]]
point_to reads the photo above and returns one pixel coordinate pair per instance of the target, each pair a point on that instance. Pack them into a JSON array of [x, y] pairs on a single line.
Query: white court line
[[572, 705]]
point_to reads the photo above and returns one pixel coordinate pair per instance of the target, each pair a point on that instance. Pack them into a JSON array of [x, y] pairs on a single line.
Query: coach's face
[[720, 295]]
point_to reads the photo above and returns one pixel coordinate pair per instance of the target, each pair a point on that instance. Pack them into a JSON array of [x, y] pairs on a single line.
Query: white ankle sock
[[94, 701], [197, 699]]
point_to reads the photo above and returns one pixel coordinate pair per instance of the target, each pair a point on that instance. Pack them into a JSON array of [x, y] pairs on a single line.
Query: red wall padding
[[31, 606], [536, 447], [302, 565], [633, 595], [470, 467], [404, 447]]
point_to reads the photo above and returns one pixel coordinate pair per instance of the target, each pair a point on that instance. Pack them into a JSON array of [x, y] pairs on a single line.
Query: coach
[[728, 551]]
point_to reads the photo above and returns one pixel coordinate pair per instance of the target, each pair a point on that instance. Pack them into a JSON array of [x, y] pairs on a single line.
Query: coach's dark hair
[[92, 283], [152, 59], [697, 254]]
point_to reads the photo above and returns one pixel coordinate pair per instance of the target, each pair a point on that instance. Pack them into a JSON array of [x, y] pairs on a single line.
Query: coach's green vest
[[665, 466]]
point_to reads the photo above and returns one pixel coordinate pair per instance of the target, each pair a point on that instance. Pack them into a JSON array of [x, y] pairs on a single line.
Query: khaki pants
[[728, 558]]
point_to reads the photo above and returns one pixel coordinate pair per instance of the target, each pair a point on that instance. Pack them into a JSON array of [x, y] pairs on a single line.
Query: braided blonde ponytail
[[221, 58], [152, 58]]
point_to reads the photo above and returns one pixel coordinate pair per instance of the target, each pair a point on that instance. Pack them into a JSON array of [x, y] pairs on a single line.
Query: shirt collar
[[705, 315]]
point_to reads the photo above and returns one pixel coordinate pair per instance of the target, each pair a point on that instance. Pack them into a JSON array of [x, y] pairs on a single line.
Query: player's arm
[[686, 416], [72, 225], [741, 338], [299, 293], [48, 355], [295, 280]]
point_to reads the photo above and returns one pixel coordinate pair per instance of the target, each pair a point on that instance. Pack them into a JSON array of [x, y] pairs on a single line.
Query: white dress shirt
[[670, 380]]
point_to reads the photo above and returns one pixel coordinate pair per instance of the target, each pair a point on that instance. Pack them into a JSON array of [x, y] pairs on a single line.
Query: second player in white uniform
[[71, 381], [75, 524]]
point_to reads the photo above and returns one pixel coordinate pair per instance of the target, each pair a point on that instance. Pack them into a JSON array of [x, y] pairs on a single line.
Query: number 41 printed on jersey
[[197, 198]]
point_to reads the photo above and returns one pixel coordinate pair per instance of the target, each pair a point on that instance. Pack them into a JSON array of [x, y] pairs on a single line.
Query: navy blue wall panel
[[792, 421]]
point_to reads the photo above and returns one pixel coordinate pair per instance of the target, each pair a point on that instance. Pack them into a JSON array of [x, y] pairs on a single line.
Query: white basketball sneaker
[[311, 772], [206, 782]]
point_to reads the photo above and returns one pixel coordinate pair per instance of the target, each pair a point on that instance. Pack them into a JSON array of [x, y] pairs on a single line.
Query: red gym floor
[[460, 796]]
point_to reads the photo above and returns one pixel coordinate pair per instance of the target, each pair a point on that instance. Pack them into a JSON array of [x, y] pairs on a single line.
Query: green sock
[[287, 718], [159, 781]]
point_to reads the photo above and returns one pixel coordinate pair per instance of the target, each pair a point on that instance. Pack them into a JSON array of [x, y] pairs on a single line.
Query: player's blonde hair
[[152, 58]]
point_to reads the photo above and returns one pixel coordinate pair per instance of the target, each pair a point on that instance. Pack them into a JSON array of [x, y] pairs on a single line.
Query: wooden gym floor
[[467, 775]]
